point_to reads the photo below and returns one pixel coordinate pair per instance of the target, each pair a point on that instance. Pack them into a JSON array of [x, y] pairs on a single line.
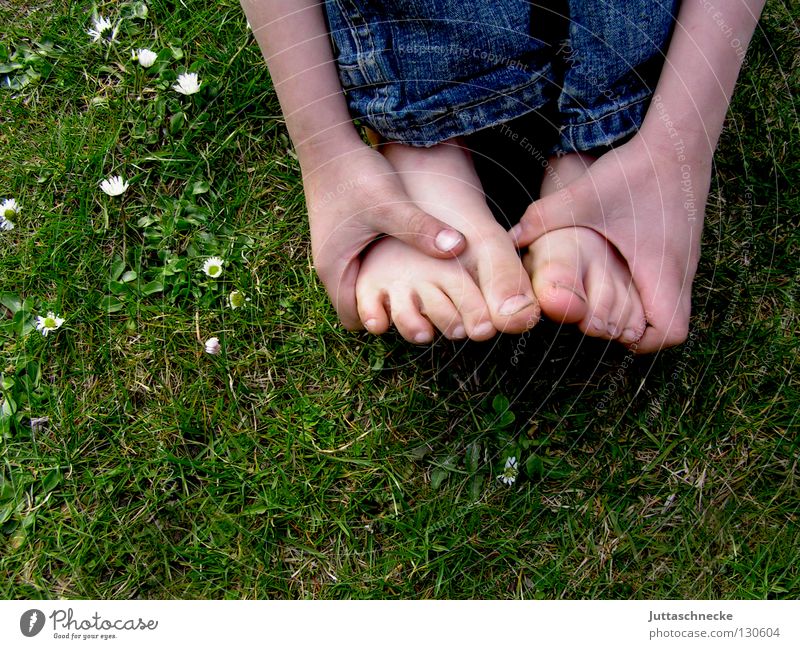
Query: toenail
[[483, 329], [515, 304], [459, 332], [571, 289], [630, 334], [422, 338], [597, 324], [612, 330], [446, 240], [371, 324]]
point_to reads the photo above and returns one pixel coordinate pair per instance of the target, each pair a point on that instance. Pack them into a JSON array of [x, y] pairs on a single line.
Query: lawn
[[304, 461]]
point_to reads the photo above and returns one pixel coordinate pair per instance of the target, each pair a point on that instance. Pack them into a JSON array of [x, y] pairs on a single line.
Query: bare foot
[[483, 291], [649, 204], [577, 276]]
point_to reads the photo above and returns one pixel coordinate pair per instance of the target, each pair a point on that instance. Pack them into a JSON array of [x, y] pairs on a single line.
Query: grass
[[309, 462]]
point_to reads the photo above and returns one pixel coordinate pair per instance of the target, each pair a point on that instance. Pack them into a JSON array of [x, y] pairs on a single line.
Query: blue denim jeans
[[423, 71]]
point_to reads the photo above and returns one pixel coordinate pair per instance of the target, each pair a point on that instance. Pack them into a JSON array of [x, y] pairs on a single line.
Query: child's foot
[[578, 277], [648, 200], [484, 290]]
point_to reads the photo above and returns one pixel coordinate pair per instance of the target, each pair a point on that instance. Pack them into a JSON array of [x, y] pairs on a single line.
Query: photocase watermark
[[690, 199], [67, 626], [571, 56], [31, 622], [342, 188], [727, 30], [453, 49]]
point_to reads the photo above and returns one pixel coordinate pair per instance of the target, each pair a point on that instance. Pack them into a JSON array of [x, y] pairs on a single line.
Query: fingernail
[[459, 332], [597, 324], [422, 338], [515, 304], [371, 324], [483, 329], [446, 240]]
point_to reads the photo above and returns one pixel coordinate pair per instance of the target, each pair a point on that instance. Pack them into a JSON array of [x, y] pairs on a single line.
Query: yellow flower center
[[213, 270], [8, 213], [50, 323]]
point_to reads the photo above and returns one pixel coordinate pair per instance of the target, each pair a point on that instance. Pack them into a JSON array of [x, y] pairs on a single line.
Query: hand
[[352, 200], [649, 203]]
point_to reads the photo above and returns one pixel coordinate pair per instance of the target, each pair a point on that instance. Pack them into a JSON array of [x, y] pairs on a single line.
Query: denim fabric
[[611, 60], [423, 71]]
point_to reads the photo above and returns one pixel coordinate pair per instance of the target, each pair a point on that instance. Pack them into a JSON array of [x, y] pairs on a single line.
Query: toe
[[441, 312], [556, 273], [410, 323], [371, 308], [468, 300], [506, 286], [600, 320], [635, 322]]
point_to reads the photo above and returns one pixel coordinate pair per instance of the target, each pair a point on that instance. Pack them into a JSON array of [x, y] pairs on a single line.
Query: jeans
[[423, 71]]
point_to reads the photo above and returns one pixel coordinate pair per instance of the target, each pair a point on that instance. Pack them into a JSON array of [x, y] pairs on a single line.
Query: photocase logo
[[31, 622]]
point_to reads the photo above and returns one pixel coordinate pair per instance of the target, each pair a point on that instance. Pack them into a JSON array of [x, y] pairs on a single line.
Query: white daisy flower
[[145, 57], [188, 83], [213, 267], [212, 346], [114, 186], [237, 299], [9, 208], [509, 474], [48, 323], [103, 29]]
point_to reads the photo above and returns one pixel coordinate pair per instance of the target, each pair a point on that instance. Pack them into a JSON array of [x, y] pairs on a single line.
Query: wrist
[[681, 138], [324, 146]]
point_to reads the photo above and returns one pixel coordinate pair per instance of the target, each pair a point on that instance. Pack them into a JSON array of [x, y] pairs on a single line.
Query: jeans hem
[[602, 132]]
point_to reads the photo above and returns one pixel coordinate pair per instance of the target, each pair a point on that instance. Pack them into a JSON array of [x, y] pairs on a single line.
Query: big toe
[[506, 286], [556, 270]]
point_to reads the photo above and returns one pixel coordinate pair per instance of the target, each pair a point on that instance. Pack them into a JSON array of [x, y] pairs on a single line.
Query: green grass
[[309, 462]]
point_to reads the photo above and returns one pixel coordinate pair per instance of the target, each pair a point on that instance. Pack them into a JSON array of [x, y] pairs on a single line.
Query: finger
[[419, 229], [576, 204], [667, 316]]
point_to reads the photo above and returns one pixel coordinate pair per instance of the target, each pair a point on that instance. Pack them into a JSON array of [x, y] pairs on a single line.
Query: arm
[[703, 63], [353, 195]]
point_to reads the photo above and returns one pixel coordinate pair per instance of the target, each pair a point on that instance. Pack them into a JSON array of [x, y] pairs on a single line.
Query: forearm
[[294, 39], [697, 81]]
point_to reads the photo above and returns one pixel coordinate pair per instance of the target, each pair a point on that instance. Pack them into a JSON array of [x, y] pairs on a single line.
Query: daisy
[[237, 299], [188, 83], [103, 30], [145, 57], [9, 208], [48, 323], [213, 267], [114, 186], [509, 474], [212, 346]]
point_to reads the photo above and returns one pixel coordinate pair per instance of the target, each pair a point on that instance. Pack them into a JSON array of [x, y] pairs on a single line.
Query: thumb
[[568, 207], [417, 228]]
